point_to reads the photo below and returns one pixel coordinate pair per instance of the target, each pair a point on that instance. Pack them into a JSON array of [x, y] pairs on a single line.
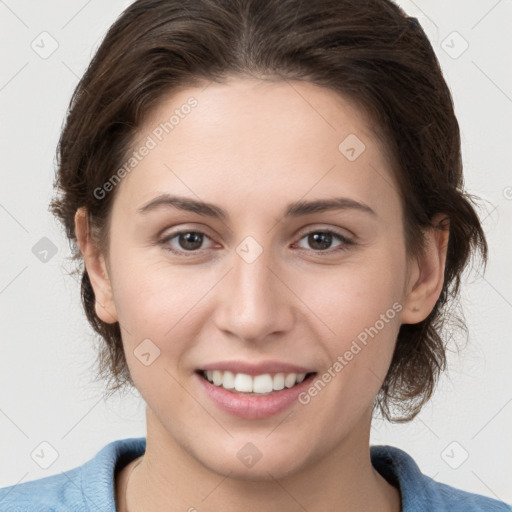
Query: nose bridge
[[255, 302]]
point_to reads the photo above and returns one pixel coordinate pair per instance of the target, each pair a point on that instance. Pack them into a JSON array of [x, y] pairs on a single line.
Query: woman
[[267, 198]]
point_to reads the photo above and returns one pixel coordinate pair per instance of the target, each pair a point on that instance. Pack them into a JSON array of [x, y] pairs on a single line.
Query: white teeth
[[244, 383], [263, 383], [290, 379], [300, 377], [217, 377], [278, 382], [228, 380]]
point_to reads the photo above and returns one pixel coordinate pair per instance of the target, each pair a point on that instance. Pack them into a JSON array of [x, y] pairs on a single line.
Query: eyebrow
[[295, 209]]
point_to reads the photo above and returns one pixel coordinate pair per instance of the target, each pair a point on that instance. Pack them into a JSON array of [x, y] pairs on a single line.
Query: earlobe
[[96, 267], [426, 282]]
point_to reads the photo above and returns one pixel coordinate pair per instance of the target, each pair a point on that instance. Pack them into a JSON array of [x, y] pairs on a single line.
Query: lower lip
[[253, 407]]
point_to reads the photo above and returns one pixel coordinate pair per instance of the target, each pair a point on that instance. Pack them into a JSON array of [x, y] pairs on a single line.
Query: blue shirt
[[90, 487]]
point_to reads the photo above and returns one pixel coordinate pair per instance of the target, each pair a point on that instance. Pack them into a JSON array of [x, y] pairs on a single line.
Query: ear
[[426, 273], [96, 269]]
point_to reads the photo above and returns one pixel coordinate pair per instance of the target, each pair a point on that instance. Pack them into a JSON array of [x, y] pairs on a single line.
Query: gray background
[[52, 418]]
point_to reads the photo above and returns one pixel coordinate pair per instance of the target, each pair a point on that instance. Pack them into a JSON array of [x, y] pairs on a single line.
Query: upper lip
[[239, 366]]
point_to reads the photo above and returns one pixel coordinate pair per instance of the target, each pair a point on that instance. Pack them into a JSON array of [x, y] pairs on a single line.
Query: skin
[[252, 147]]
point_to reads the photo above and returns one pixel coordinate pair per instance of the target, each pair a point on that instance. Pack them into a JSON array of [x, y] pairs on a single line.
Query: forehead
[[257, 137], [300, 111]]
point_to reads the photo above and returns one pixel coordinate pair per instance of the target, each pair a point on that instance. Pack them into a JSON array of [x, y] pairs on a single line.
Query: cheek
[[147, 290], [158, 311], [162, 303], [359, 308], [364, 313], [355, 295]]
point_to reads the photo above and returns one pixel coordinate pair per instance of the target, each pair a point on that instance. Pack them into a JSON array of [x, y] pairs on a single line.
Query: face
[[324, 290]]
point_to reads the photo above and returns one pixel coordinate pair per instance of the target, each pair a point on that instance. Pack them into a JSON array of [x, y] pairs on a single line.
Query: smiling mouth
[[257, 385]]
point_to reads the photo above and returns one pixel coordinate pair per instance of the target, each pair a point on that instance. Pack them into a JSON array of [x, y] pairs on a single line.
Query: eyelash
[[346, 242]]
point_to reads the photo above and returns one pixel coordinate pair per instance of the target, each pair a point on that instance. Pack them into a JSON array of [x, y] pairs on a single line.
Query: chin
[[251, 464]]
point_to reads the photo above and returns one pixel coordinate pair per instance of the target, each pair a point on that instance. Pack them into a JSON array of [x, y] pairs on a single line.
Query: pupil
[[323, 239], [195, 239]]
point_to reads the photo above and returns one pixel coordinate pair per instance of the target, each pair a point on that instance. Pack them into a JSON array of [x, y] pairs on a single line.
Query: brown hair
[[369, 52]]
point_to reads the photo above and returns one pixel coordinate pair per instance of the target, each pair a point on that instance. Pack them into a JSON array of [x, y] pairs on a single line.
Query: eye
[[187, 241], [320, 240]]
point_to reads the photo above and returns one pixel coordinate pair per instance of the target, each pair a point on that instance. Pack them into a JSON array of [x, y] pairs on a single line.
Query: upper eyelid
[[336, 231], [300, 232]]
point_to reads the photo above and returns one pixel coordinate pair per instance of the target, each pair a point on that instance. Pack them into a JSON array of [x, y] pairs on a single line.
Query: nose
[[254, 300]]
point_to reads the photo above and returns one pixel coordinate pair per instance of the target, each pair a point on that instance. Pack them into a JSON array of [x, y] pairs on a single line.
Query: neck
[[169, 478]]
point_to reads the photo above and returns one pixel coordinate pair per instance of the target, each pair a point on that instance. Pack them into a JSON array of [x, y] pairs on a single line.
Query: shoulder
[[45, 494], [421, 493], [83, 488]]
